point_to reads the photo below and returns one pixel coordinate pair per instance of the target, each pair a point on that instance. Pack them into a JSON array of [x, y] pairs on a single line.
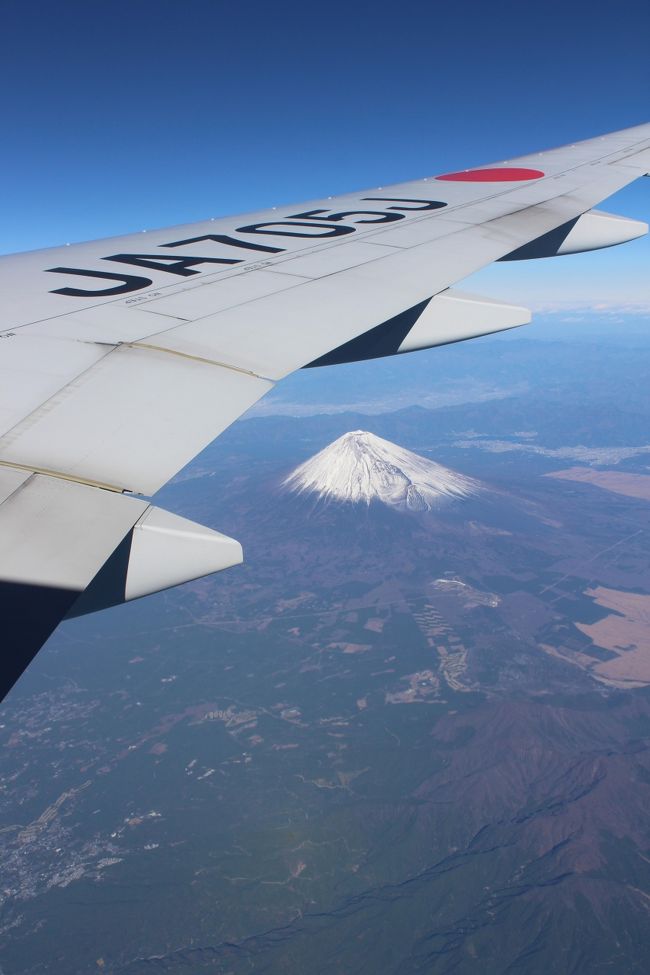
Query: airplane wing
[[122, 358]]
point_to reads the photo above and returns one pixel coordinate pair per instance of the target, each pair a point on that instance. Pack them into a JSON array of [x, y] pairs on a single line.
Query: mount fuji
[[360, 467]]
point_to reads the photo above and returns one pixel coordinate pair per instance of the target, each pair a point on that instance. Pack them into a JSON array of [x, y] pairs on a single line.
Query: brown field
[[631, 485], [626, 632], [375, 624], [350, 647]]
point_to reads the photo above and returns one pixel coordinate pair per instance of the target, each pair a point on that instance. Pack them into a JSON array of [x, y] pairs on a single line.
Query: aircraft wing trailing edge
[[121, 359]]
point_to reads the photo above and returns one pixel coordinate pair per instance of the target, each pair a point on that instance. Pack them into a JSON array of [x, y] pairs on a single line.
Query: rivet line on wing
[[64, 476], [194, 358]]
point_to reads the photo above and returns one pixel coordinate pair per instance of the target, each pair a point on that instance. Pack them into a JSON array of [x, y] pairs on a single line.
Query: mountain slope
[[360, 467]]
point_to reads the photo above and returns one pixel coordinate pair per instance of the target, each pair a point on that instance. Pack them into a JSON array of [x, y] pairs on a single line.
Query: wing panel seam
[[193, 358], [62, 476]]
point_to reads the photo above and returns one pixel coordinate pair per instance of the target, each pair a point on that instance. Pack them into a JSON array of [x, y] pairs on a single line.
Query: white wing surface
[[121, 359]]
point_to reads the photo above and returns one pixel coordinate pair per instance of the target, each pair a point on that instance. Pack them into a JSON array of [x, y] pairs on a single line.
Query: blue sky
[[144, 113]]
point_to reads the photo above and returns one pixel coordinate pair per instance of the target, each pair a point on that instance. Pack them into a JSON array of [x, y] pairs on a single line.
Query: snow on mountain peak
[[361, 467]]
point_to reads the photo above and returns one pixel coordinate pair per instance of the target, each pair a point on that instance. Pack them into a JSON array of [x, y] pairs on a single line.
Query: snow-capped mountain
[[361, 467]]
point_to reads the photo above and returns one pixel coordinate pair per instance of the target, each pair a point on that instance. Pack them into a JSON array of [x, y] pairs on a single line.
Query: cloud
[[586, 306], [594, 456]]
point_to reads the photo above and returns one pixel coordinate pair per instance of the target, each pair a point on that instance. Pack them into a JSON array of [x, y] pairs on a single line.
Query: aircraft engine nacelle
[[590, 232]]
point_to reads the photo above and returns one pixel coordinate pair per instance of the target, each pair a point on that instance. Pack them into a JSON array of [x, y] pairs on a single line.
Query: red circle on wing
[[502, 175]]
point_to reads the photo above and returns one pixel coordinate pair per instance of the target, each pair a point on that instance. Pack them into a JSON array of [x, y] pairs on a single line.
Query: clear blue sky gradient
[[130, 115]]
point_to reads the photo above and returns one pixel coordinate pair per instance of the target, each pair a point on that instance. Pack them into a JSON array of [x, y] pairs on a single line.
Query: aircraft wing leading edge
[[122, 358]]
